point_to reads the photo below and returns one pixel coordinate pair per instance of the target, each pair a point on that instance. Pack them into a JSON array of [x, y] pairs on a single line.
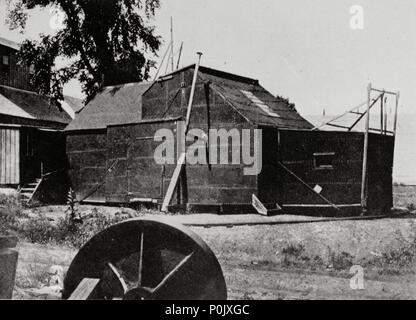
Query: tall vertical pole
[[179, 55], [385, 116], [171, 41], [191, 98], [382, 113], [395, 112], [365, 154]]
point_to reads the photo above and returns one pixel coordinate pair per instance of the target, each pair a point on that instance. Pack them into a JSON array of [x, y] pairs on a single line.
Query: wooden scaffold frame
[[383, 130]]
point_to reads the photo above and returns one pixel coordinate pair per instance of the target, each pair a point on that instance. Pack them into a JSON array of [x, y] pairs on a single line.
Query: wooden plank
[[337, 126], [3, 158], [13, 158], [173, 182], [260, 208], [191, 98], [143, 200], [85, 289], [364, 191]]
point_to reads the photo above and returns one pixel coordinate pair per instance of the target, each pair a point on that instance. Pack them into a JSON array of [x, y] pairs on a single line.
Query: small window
[[5, 60], [5, 63], [323, 160], [32, 69]]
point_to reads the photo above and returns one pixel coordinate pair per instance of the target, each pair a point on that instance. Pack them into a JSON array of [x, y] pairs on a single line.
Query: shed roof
[[111, 106], [30, 105], [76, 104], [9, 43], [251, 100]]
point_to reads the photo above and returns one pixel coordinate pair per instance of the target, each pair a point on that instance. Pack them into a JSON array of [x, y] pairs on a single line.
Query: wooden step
[[27, 195], [33, 184], [27, 190]]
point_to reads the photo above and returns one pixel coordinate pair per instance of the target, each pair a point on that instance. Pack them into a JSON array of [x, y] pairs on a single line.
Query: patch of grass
[[411, 206], [396, 260], [295, 255], [10, 210], [404, 196], [65, 231], [341, 261], [38, 230], [42, 230], [35, 276]]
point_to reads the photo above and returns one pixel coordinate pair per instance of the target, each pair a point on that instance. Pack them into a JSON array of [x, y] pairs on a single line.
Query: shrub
[[341, 261], [295, 255], [10, 211], [65, 230], [38, 230], [77, 235]]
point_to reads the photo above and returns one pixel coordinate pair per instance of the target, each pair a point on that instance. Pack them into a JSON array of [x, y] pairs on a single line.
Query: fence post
[[8, 264]]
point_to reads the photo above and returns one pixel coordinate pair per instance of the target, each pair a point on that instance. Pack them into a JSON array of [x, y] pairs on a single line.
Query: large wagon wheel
[[145, 259]]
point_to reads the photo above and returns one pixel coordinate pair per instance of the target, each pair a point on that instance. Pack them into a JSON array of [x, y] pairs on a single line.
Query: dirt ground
[[254, 258]]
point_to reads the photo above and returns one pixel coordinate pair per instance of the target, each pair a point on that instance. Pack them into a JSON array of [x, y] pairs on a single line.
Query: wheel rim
[[148, 259]]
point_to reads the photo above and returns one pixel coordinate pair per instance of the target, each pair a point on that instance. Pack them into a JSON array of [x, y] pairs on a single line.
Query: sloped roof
[[75, 103], [262, 108], [113, 105], [30, 105], [9, 43]]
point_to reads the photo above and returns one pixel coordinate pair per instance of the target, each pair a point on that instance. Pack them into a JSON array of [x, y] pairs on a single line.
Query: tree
[[105, 42]]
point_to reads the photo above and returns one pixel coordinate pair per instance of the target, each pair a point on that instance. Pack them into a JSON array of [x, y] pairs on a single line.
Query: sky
[[303, 50]]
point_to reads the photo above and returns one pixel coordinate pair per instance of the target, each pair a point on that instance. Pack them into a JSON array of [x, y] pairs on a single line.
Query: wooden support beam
[[173, 182], [258, 205], [191, 97], [364, 113], [171, 41], [307, 186], [385, 116], [364, 192], [85, 289], [395, 113], [384, 91], [338, 117], [382, 113], [179, 56], [181, 160], [358, 113], [161, 63], [337, 126]]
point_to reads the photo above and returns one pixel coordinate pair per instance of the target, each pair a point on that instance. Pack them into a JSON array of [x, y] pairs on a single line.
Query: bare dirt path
[[257, 283]]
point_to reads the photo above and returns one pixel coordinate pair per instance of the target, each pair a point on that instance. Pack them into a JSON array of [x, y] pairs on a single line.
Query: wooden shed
[[32, 144], [86, 136], [302, 171]]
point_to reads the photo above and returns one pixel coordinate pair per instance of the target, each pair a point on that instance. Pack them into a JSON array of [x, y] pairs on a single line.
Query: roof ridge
[[23, 90], [127, 84], [215, 72]]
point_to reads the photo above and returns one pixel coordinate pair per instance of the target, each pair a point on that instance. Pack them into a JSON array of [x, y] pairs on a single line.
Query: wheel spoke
[[139, 279], [112, 281], [172, 274]]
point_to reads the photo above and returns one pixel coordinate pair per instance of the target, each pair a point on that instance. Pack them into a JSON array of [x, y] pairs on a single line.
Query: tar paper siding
[[217, 183], [87, 155], [340, 184]]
